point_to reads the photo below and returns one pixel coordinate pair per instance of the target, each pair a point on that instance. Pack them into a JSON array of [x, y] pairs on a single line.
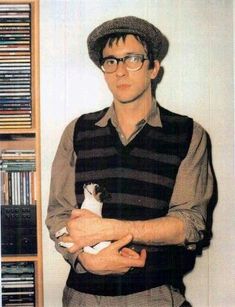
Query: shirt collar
[[153, 118]]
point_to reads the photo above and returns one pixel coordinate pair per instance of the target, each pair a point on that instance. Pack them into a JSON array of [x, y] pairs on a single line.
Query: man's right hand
[[114, 259]]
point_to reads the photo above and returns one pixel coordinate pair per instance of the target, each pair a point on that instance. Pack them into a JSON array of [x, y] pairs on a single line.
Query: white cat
[[94, 197]]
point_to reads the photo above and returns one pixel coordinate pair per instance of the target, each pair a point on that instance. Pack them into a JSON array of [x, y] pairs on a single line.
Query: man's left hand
[[114, 259]]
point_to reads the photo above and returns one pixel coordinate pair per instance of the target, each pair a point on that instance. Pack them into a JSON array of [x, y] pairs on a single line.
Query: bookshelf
[[20, 153]]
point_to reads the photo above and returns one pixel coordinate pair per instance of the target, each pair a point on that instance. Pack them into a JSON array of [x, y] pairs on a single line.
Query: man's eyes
[[133, 58], [110, 62], [129, 58]]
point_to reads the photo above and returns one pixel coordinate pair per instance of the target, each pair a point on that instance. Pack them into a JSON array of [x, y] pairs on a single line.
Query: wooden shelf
[[14, 258], [18, 131], [29, 138]]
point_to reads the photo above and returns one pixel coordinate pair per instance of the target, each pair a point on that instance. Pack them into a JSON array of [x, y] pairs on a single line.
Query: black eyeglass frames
[[132, 62]]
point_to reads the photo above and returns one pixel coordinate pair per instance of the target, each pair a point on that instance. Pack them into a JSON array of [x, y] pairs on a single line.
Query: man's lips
[[123, 86]]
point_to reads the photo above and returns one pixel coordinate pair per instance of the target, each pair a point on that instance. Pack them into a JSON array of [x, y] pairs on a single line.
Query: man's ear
[[155, 69]]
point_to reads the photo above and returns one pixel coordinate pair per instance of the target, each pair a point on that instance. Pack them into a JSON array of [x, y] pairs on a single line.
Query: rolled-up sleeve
[[194, 187], [62, 198]]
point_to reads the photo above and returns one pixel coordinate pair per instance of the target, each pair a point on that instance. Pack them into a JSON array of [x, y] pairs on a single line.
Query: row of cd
[[15, 66]]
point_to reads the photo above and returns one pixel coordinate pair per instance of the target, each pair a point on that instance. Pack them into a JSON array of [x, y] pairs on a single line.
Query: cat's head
[[95, 190]]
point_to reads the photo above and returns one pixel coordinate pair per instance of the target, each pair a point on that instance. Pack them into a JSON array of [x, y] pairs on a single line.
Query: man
[[153, 162]]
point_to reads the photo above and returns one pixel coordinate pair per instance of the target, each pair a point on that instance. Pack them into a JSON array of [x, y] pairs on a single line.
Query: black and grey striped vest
[[140, 178]]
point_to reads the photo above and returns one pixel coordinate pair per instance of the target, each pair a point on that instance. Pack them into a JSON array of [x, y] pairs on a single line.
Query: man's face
[[127, 86]]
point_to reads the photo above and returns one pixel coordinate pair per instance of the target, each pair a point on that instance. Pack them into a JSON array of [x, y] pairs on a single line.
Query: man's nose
[[121, 69]]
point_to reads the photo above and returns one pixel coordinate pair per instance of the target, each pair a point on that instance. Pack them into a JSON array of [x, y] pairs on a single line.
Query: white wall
[[198, 81]]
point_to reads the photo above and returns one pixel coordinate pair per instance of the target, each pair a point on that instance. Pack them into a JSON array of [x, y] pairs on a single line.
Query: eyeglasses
[[132, 62]]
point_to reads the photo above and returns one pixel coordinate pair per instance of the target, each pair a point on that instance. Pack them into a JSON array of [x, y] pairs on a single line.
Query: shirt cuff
[[194, 226]]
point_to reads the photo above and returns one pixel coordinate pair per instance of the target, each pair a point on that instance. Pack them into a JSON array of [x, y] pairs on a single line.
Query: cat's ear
[[103, 193]]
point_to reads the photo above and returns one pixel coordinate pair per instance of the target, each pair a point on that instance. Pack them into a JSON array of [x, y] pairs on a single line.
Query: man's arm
[[62, 196], [194, 188], [185, 220], [85, 230]]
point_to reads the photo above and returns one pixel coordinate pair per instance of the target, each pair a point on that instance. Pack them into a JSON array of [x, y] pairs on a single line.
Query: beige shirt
[[191, 193]]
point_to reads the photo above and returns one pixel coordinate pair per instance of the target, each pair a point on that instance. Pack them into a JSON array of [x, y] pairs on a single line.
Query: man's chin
[[126, 100], [129, 98]]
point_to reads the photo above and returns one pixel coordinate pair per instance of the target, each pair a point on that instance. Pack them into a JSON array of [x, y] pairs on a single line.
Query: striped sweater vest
[[140, 178]]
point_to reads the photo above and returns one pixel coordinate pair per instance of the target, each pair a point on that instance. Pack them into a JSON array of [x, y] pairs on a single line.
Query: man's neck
[[129, 114]]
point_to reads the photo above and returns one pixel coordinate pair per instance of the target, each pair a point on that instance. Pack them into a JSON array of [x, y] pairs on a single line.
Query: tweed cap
[[129, 25]]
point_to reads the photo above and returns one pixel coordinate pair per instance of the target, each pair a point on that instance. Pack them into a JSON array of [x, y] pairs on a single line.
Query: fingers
[[68, 243], [129, 257], [137, 262], [74, 248], [71, 246], [128, 252], [140, 262], [143, 255], [66, 239], [61, 232], [122, 242], [65, 244]]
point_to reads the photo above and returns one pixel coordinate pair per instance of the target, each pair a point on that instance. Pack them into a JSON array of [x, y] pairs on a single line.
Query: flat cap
[[129, 25]]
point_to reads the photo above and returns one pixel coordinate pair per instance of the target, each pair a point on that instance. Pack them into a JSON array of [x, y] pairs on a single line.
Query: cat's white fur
[[93, 203]]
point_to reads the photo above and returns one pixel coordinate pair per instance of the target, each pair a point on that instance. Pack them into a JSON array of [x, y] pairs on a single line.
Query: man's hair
[[114, 38]]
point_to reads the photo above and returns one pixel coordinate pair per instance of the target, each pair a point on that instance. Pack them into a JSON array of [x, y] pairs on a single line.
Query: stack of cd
[[15, 66], [17, 177], [18, 284]]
